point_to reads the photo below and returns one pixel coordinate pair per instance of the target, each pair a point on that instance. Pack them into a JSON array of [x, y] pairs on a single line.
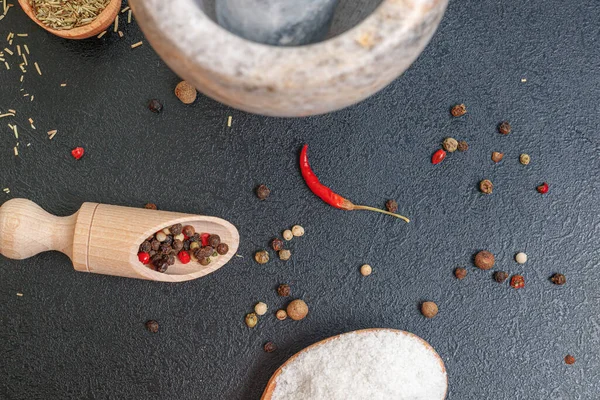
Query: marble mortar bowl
[[290, 81]]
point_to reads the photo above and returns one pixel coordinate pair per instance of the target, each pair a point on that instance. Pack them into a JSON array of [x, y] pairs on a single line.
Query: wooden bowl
[[103, 21], [270, 389]]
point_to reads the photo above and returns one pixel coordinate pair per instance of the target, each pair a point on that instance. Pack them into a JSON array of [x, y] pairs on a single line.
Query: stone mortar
[[289, 81]]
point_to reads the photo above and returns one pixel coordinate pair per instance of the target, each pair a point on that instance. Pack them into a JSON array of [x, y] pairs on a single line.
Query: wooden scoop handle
[[26, 230]]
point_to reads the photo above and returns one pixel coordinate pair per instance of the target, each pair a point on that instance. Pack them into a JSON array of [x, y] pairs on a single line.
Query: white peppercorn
[[524, 159], [521, 258], [287, 234], [450, 145], [260, 308], [366, 270], [161, 236], [297, 230], [284, 255]]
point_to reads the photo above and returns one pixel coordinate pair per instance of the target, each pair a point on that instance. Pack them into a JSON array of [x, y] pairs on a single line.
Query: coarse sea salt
[[369, 365]]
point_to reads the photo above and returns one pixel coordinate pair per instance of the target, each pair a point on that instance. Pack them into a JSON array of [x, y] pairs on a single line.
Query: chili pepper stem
[[355, 207]]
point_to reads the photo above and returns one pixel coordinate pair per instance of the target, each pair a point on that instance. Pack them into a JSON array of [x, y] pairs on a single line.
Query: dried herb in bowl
[[67, 14]]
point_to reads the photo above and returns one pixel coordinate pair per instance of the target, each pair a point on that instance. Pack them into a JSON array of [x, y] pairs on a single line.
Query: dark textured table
[[81, 336]]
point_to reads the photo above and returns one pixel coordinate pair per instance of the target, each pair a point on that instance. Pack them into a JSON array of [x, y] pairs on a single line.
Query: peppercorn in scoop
[[182, 243]]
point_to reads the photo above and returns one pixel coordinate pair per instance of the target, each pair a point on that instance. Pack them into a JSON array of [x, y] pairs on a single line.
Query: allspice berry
[[450, 145], [150, 206], [460, 273], [185, 92], [429, 309], [569, 359], [458, 110], [484, 260], [497, 156], [284, 254], [262, 192], [297, 310], [152, 326], [251, 320], [524, 159], [269, 347], [486, 186], [261, 257], [504, 128], [277, 244], [558, 279], [463, 146], [281, 315]]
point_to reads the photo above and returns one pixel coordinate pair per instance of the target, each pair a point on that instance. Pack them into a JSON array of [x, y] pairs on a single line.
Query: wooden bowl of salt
[[99, 24], [367, 364]]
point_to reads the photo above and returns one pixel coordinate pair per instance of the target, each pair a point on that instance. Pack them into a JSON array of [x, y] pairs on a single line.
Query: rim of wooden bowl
[[103, 21]]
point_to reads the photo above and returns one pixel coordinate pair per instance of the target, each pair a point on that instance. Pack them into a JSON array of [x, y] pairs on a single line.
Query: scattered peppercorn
[[251, 320], [270, 347], [497, 156], [504, 128], [297, 310], [463, 146], [429, 309], [438, 156], [185, 92], [288, 235], [77, 152], [262, 192], [460, 273], [484, 260], [284, 290], [261, 257], [366, 270], [524, 159], [281, 315], [517, 281], [260, 308], [458, 110], [558, 279], [222, 249], [277, 244], [450, 145], [284, 255], [391, 206], [543, 188], [152, 326], [150, 206], [486, 186], [155, 106], [569, 359], [500, 276], [297, 230], [521, 258]]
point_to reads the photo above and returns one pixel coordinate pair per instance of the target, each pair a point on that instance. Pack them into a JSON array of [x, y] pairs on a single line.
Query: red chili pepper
[[438, 156], [77, 152], [184, 257], [144, 257], [328, 195], [204, 238], [543, 188]]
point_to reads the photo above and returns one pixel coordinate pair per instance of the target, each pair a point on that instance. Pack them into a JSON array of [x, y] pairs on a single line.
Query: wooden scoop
[[270, 389], [104, 239], [102, 21]]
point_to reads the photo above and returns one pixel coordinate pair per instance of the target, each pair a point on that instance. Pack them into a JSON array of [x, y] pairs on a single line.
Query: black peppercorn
[[151, 206], [155, 245], [176, 229], [195, 237], [463, 146], [145, 247], [177, 245], [500, 276], [155, 259], [165, 248], [168, 240], [270, 347], [152, 326], [223, 249], [391, 206], [558, 279], [284, 290], [204, 261], [504, 128], [277, 244], [186, 245], [262, 192], [171, 259], [203, 252], [151, 253], [155, 106], [162, 264], [188, 230], [458, 110], [214, 240]]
